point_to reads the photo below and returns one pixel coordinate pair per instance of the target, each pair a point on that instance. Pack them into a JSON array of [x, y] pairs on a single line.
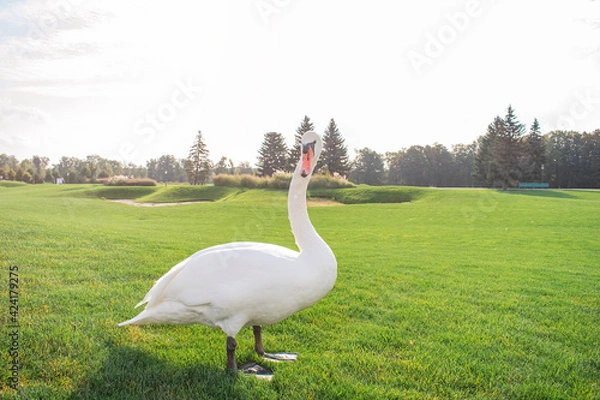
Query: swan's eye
[[307, 146]]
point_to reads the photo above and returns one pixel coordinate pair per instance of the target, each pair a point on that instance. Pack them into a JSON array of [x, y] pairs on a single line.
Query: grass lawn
[[456, 294]]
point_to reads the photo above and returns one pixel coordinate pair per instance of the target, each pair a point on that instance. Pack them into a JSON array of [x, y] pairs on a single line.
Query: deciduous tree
[[368, 168]]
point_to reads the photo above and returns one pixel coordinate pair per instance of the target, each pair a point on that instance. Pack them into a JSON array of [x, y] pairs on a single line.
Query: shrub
[[131, 182], [249, 181], [278, 181], [326, 181], [103, 181], [227, 180]]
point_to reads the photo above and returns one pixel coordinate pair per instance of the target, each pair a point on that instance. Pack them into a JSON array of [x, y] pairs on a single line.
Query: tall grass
[[130, 182], [277, 181]]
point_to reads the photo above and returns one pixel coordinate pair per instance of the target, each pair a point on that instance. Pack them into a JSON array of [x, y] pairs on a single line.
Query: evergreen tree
[[294, 151], [485, 164], [335, 152], [500, 152], [198, 166], [535, 150], [272, 155], [507, 149]]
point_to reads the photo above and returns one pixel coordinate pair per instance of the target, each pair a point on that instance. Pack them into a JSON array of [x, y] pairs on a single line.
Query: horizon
[[351, 152]]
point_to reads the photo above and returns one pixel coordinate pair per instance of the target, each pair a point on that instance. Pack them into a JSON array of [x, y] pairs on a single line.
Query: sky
[[134, 80]]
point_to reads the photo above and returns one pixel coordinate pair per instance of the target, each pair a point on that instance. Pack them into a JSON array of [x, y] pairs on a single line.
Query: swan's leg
[[231, 345], [258, 344]]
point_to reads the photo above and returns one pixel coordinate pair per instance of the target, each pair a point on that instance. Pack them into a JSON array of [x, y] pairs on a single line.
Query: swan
[[240, 284]]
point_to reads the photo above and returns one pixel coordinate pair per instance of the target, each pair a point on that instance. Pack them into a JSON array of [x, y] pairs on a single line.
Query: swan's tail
[[137, 320], [166, 312]]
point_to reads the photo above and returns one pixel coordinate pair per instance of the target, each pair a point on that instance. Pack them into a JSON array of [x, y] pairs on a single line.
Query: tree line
[[506, 154]]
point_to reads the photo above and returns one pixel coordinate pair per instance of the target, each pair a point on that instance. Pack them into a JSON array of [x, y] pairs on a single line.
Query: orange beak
[[307, 158]]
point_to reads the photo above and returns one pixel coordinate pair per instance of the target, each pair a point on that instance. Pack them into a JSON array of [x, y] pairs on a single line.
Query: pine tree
[[294, 151], [507, 149], [535, 149], [272, 155], [198, 166], [335, 152], [485, 164]]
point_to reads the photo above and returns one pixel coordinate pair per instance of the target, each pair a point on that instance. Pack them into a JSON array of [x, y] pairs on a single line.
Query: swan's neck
[[307, 239]]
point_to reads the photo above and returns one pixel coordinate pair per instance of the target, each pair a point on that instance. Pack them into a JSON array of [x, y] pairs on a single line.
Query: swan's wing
[[223, 260], [161, 283]]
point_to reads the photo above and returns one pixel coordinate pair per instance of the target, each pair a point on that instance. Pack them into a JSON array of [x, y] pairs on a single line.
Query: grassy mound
[[9, 184], [370, 194], [118, 192], [181, 193]]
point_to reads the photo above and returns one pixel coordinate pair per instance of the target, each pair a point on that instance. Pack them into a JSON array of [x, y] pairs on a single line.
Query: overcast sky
[[133, 80]]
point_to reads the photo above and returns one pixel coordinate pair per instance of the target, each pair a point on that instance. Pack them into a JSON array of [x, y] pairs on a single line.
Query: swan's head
[[311, 149]]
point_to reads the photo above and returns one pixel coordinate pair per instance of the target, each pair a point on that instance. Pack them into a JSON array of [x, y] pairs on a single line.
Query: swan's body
[[234, 285], [242, 284]]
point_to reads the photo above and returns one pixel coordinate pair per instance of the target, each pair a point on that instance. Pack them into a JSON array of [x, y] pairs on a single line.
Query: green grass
[[182, 193], [117, 192], [8, 184], [456, 294], [370, 194]]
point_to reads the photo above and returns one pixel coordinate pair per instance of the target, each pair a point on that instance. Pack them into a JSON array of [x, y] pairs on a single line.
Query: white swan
[[242, 284]]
